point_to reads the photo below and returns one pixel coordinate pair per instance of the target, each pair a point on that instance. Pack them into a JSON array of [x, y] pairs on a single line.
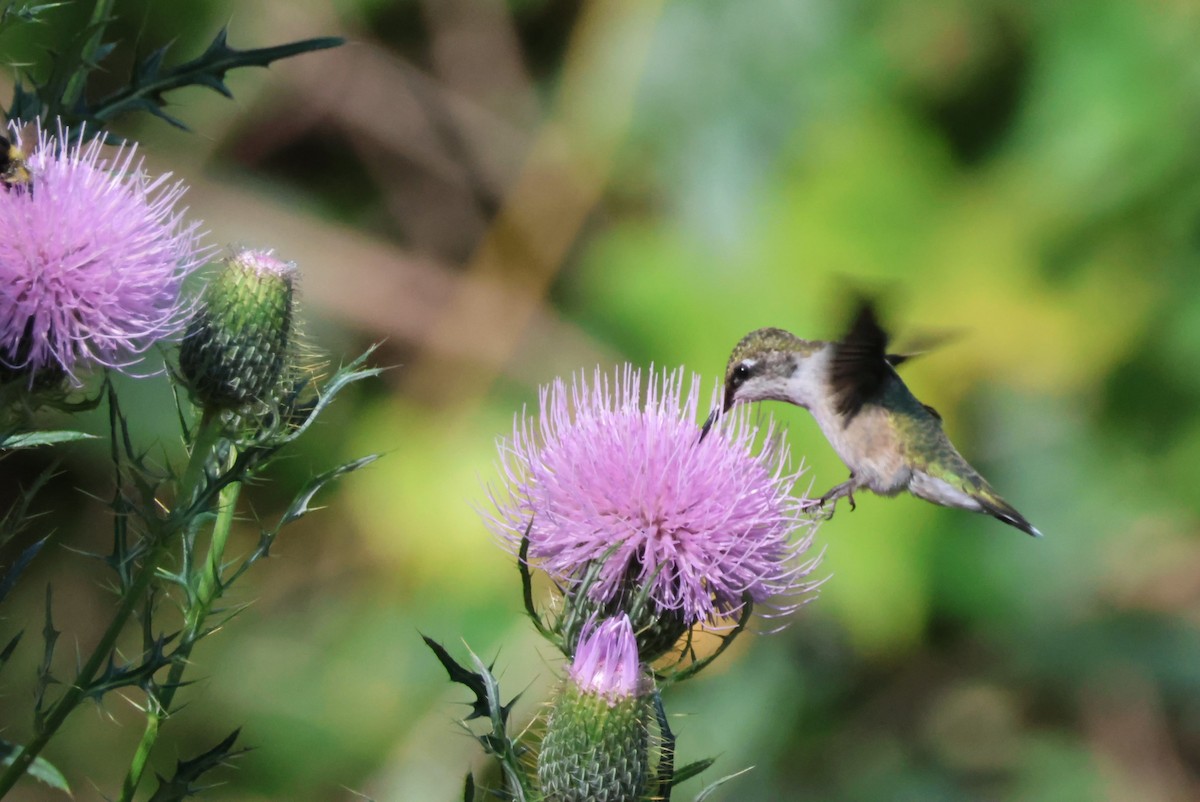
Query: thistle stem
[[207, 581], [162, 535]]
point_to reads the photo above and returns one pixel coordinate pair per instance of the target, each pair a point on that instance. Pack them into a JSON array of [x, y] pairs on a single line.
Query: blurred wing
[[929, 341], [860, 367]]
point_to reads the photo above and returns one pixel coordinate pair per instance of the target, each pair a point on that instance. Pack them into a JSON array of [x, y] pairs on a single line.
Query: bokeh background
[[506, 191]]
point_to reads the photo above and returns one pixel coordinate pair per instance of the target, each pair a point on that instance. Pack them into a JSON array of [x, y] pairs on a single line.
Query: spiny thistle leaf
[[63, 93], [59, 96], [665, 775], [149, 81], [20, 564], [300, 505], [483, 684], [711, 789], [9, 648], [40, 769], [34, 439], [469, 788], [26, 12], [297, 412], [298, 509], [187, 772], [692, 769], [127, 675], [45, 678], [345, 376], [478, 685]]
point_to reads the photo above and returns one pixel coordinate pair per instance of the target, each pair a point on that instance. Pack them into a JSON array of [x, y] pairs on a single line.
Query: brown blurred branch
[[541, 217]]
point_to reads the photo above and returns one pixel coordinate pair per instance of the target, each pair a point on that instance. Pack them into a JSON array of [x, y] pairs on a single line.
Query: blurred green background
[[505, 191]]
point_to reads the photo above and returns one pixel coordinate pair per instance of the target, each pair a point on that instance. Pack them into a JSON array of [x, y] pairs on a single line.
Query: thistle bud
[[657, 629], [239, 341], [597, 742]]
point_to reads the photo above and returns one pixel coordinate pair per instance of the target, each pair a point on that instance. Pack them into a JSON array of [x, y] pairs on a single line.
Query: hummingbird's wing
[[860, 367], [925, 343]]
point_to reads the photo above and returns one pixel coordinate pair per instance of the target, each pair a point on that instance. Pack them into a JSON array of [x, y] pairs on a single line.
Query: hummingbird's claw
[[844, 489]]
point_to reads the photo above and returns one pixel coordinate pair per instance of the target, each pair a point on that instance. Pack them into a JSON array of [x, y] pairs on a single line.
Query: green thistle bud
[[597, 742], [239, 341]]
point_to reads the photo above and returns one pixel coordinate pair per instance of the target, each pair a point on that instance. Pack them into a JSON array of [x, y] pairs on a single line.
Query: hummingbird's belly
[[871, 449]]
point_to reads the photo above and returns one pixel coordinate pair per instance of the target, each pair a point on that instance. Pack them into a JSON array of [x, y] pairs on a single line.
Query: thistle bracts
[[239, 343], [597, 742]]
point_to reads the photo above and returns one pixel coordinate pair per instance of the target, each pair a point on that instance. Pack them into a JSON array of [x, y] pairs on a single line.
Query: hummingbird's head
[[768, 364]]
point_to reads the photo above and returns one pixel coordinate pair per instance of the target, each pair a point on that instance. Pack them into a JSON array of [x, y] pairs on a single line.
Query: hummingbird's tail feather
[[1001, 510]]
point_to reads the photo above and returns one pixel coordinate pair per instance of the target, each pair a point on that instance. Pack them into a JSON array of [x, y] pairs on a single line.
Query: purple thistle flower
[[93, 254], [603, 479], [606, 661]]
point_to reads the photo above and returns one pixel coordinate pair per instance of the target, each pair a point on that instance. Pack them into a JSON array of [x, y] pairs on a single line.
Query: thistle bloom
[[93, 254], [597, 740], [629, 491]]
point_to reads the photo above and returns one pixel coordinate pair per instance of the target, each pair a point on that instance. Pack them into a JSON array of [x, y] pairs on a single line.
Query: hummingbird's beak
[[726, 405]]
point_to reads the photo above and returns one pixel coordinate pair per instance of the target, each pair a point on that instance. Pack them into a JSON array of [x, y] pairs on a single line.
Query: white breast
[[868, 445]]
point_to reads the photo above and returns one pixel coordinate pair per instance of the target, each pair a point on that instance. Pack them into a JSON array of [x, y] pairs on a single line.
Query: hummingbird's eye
[[739, 374]]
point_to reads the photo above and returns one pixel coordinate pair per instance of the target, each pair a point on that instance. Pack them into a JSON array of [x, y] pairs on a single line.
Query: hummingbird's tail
[[1001, 510]]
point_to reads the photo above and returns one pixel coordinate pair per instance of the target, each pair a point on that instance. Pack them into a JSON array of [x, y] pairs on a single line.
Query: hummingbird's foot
[[846, 489], [827, 512]]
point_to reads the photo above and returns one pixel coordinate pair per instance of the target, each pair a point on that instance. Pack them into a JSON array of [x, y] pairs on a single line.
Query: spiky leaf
[[41, 769], [691, 770], [150, 81], [34, 439], [300, 505], [187, 772], [20, 564], [478, 685], [9, 648]]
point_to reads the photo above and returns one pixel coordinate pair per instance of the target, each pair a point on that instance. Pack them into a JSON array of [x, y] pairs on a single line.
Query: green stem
[[208, 590], [162, 536]]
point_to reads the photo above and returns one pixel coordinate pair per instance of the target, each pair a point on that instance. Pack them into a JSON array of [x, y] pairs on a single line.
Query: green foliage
[[35, 439], [182, 783], [41, 769], [150, 81], [1023, 172], [12, 11], [62, 93], [487, 705]]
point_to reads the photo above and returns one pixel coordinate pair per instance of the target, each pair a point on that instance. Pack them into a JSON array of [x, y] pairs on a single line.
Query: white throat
[[808, 386]]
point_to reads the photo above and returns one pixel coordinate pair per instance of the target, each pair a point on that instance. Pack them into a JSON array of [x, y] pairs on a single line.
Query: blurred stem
[[208, 590], [101, 12], [162, 535]]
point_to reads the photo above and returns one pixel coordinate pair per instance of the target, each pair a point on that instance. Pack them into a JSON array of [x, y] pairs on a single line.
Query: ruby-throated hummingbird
[[889, 440]]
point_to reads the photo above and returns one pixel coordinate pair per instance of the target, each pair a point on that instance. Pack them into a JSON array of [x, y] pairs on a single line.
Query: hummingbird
[[889, 440]]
